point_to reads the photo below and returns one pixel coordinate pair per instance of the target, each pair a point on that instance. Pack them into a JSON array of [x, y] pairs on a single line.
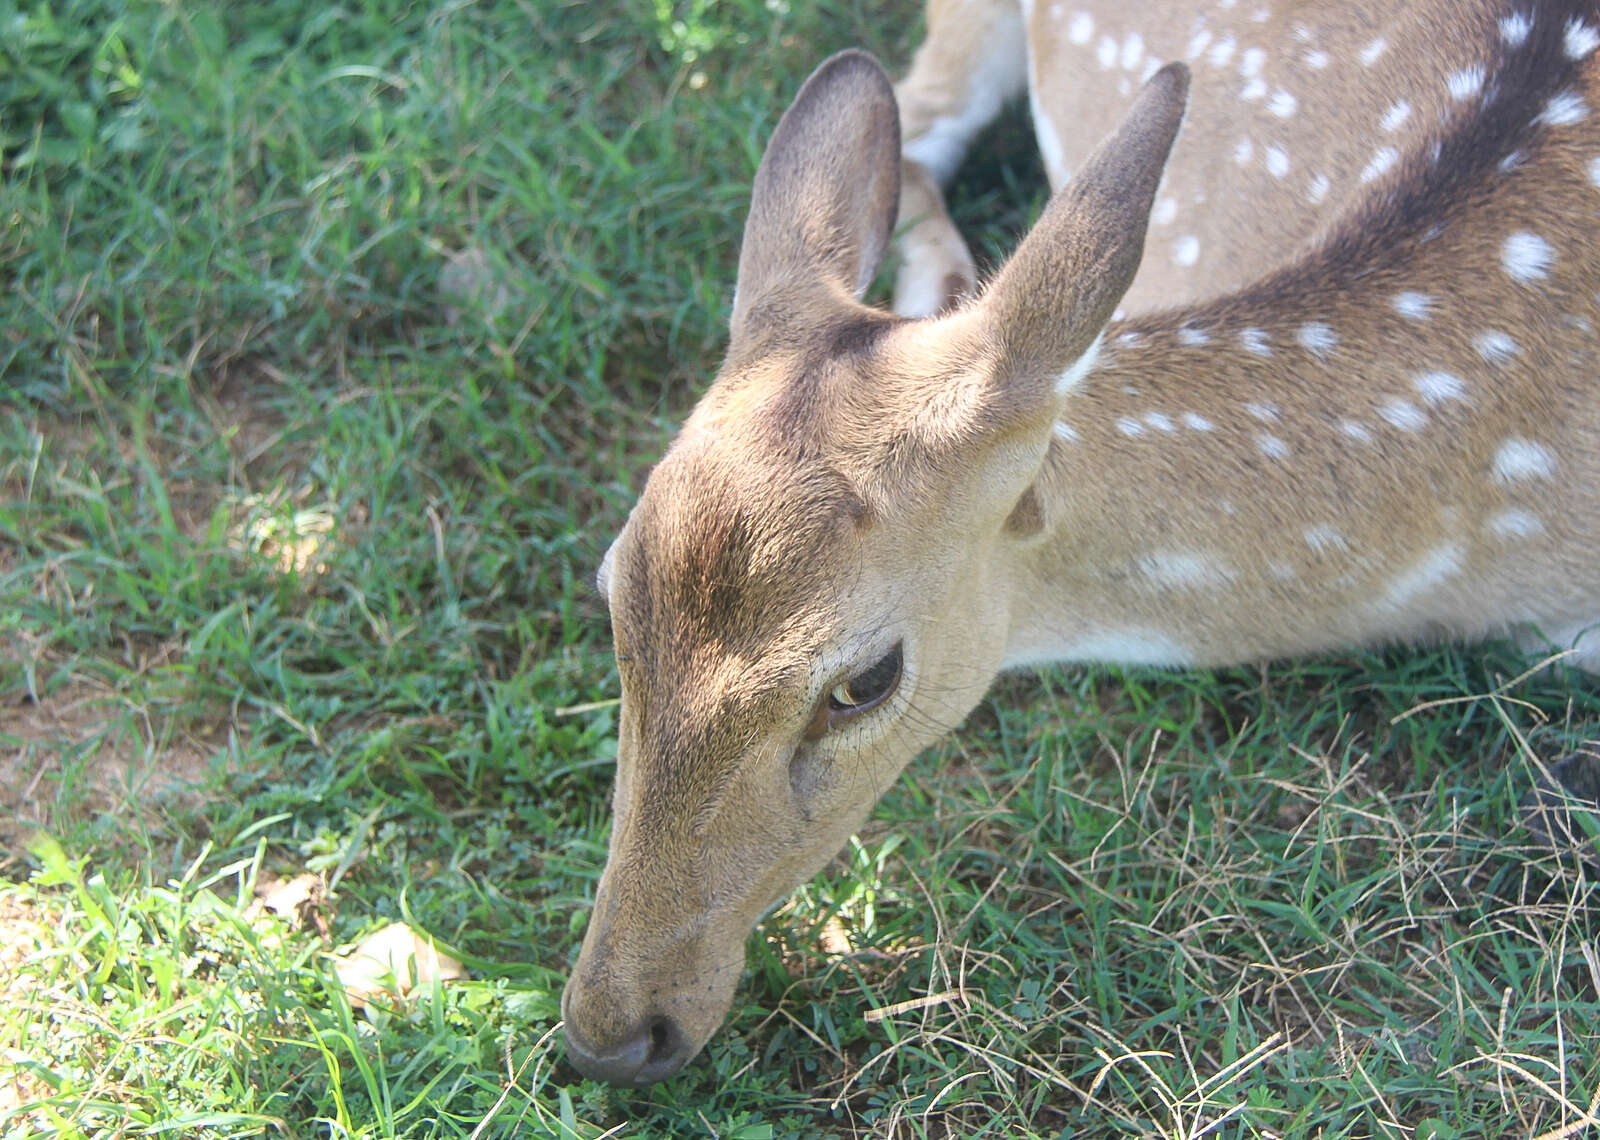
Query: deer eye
[[868, 688]]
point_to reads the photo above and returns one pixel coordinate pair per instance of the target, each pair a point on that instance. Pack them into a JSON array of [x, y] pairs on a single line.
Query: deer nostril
[[663, 1040], [655, 1052]]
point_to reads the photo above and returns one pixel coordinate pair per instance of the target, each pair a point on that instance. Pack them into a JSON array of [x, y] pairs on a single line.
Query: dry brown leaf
[[301, 902], [393, 961]]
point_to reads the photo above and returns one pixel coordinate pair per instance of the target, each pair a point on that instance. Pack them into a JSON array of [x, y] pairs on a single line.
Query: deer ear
[[1056, 293], [823, 205]]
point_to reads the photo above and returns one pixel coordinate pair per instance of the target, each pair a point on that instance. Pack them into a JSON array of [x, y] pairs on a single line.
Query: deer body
[[1350, 454], [1299, 111], [1373, 419]]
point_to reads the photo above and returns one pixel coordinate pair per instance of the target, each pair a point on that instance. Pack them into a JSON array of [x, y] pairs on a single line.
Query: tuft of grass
[[333, 346]]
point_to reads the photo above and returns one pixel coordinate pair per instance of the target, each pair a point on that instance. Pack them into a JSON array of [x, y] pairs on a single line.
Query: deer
[[1321, 373]]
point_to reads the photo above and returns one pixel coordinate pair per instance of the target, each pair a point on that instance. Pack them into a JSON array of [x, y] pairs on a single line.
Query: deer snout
[[651, 1050], [638, 1008], [616, 1030]]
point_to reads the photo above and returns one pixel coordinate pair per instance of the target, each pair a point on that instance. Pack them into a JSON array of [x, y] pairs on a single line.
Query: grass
[[334, 343]]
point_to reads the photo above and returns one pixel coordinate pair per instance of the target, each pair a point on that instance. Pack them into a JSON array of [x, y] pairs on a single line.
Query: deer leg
[[1580, 641], [1569, 788], [972, 60], [1553, 811], [936, 269]]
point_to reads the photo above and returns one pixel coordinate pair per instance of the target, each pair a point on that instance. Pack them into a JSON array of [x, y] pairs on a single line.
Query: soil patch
[[22, 934], [79, 751]]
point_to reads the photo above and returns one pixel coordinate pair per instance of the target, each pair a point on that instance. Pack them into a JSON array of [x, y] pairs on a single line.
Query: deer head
[[814, 583]]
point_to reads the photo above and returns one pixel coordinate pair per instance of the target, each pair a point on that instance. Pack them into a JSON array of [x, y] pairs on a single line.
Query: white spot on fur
[[1166, 210], [1186, 250], [1127, 646], [1254, 340], [1580, 38], [1151, 66], [1081, 367], [1438, 387], [1185, 569], [1495, 346], [1515, 524], [1266, 413], [1283, 104], [1132, 51], [1512, 161], [1316, 60], [1250, 62], [1594, 172], [1514, 28], [1317, 339], [1325, 540], [1065, 432], [1370, 53], [1130, 427], [1198, 44], [1196, 422], [1402, 414], [1105, 52], [1081, 30], [1160, 421], [1243, 150], [1192, 336], [1253, 89], [1413, 306], [1465, 83], [1129, 340], [1317, 189], [1222, 51], [1356, 430], [1433, 569], [1383, 159], [1517, 460], [1277, 161], [1282, 571], [1564, 109], [1272, 447], [1397, 114], [1526, 256]]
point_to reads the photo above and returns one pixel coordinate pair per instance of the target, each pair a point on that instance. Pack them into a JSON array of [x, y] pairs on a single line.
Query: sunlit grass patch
[[281, 527]]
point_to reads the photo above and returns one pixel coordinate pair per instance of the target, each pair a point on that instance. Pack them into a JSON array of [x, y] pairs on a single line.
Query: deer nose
[[653, 1053]]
